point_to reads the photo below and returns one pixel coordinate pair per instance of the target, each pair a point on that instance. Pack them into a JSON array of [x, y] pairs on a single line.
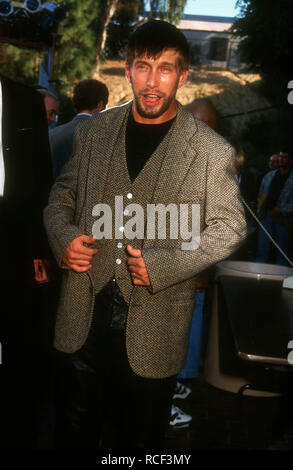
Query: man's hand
[[41, 275], [275, 212], [137, 267], [77, 256]]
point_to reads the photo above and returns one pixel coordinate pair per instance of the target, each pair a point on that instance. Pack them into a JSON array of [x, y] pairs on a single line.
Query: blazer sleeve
[[224, 230], [59, 215]]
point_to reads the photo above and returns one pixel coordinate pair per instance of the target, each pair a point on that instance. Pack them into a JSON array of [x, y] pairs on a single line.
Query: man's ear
[[100, 106], [183, 77], [127, 72]]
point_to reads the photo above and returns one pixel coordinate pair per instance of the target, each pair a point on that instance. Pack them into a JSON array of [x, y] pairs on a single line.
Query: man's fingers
[[135, 262], [81, 249], [133, 252], [86, 239], [79, 269], [78, 262], [138, 282], [137, 270], [78, 256], [87, 251]]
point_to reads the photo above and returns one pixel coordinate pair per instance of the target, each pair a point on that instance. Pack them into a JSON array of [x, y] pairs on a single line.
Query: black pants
[[102, 403]]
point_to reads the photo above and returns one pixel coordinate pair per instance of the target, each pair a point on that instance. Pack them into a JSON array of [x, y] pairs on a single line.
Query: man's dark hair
[[88, 93], [287, 150], [153, 37]]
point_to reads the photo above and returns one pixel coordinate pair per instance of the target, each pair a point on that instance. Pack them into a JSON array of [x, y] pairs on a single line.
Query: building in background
[[211, 41]]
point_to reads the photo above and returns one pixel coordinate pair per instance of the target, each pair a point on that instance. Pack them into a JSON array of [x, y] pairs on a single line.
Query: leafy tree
[[266, 29], [126, 17], [76, 52], [121, 26], [76, 56], [169, 10], [19, 64]]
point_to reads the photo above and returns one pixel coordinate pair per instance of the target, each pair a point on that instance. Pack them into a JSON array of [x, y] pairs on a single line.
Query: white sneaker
[[181, 391], [179, 419]]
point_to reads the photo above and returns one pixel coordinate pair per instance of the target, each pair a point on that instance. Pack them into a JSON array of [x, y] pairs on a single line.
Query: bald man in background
[[51, 106], [204, 110]]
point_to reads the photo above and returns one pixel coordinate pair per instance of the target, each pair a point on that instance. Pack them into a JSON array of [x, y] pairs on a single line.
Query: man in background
[[90, 97], [51, 106], [275, 208], [274, 163], [203, 109]]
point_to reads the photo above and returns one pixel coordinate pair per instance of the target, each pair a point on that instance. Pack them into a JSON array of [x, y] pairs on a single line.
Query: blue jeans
[[192, 362], [279, 233]]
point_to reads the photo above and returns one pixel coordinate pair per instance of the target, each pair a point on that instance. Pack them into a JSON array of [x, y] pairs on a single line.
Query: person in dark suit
[[26, 178], [90, 97]]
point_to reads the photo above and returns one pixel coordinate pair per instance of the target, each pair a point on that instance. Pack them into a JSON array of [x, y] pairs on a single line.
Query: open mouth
[[151, 99]]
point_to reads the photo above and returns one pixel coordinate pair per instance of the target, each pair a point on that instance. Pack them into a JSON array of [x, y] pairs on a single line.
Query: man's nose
[[152, 79]]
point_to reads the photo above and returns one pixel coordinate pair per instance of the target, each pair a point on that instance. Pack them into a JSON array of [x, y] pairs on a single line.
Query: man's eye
[[165, 69]]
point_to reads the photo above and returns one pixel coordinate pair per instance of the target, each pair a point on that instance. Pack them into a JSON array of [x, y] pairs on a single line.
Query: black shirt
[[141, 141]]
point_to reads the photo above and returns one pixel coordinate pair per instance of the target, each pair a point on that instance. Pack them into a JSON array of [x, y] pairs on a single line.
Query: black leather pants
[[101, 402]]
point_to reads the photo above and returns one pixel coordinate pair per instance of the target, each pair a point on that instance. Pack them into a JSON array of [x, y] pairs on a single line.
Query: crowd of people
[[110, 318]]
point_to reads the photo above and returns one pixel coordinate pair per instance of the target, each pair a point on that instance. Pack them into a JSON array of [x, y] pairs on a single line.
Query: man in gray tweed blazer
[[128, 296]]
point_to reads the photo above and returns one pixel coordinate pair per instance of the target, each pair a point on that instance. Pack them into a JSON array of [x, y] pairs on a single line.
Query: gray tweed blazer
[[198, 168]]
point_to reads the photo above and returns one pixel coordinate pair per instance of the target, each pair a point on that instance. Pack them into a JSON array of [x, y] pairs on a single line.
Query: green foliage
[[126, 17], [121, 25], [74, 59], [169, 10], [266, 29], [76, 56], [21, 65]]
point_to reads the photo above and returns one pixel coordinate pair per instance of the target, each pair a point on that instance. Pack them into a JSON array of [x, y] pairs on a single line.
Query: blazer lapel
[[178, 158], [103, 142]]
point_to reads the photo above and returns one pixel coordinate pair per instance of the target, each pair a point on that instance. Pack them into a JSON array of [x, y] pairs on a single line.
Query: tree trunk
[[108, 8]]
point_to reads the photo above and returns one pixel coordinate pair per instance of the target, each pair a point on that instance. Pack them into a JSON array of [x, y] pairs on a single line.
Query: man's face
[[51, 106], [284, 160], [154, 83], [274, 162]]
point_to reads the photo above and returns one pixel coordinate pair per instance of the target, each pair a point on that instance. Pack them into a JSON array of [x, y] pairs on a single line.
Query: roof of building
[[206, 23]]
